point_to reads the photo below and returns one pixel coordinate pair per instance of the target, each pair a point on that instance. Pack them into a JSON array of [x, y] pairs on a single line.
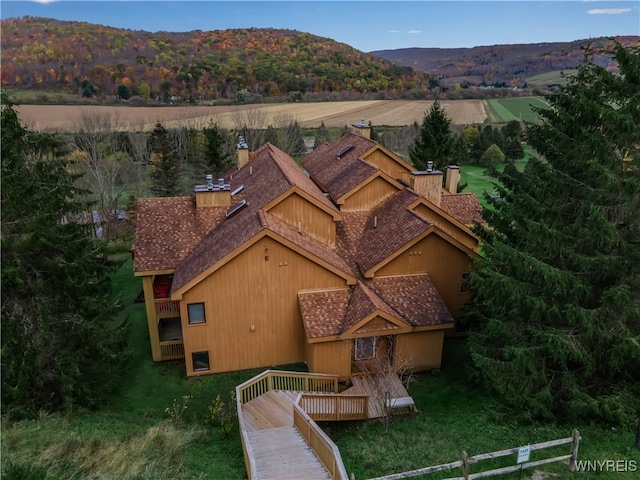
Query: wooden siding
[[444, 263], [330, 357], [301, 213], [221, 198], [251, 306], [419, 351], [388, 165], [447, 226], [369, 195], [429, 185]]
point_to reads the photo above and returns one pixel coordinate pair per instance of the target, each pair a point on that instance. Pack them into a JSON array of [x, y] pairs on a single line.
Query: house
[[356, 257]]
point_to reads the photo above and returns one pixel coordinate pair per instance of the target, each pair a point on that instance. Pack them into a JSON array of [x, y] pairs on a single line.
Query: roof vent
[[242, 143], [237, 207], [209, 182], [221, 182], [343, 151], [430, 166]]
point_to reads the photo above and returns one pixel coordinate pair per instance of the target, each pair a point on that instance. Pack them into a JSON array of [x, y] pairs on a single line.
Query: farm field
[[63, 118], [520, 109]]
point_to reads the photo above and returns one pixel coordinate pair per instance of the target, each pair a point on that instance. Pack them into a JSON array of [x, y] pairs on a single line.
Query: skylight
[[238, 206]]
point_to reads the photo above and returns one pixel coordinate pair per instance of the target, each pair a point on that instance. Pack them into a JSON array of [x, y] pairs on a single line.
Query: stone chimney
[[452, 178], [428, 183], [243, 152], [213, 194], [362, 129]]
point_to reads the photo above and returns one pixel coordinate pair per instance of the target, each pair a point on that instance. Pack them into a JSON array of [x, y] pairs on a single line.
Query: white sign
[[523, 454]]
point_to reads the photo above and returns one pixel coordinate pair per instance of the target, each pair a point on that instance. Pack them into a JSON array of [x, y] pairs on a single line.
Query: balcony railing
[[173, 350], [166, 308]]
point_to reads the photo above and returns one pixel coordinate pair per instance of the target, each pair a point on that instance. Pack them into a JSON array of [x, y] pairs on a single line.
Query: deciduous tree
[[555, 311]]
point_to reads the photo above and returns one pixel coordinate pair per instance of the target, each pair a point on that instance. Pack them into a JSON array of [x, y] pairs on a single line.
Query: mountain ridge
[[248, 65]]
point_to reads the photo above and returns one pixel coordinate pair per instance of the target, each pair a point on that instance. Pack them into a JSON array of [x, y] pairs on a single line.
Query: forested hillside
[[193, 66], [503, 65]]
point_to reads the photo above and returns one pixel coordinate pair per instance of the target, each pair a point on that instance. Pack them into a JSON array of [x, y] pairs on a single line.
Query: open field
[[63, 118], [520, 109]]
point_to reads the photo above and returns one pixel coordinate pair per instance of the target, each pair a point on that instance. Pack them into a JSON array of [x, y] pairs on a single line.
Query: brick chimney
[[428, 183], [213, 194], [452, 178], [362, 129], [243, 152]]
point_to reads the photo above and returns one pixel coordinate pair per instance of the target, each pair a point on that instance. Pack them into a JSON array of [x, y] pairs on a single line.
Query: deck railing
[[279, 380], [335, 407], [320, 443], [166, 308], [173, 350]]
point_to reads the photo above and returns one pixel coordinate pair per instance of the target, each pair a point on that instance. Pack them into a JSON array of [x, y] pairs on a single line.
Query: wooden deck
[[282, 453], [375, 385], [280, 437]]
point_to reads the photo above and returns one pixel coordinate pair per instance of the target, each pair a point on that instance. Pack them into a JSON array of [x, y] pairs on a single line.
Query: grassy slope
[[454, 416], [132, 437]]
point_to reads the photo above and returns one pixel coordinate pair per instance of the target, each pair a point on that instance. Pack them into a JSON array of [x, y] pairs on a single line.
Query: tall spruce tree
[[218, 159], [555, 309], [165, 169], [435, 141], [58, 348]]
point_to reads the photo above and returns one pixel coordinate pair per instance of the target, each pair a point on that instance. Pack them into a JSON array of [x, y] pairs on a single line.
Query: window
[[200, 361], [196, 313], [365, 348], [464, 283]]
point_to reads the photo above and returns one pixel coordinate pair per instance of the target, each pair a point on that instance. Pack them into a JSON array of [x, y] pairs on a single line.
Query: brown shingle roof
[[168, 229], [323, 311], [464, 207], [390, 226], [268, 175], [363, 303], [339, 176], [412, 299]]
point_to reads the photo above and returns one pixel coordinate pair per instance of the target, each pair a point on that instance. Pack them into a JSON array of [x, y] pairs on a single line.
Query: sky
[[365, 25]]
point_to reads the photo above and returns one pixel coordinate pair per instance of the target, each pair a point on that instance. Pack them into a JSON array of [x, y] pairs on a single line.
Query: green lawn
[[479, 182], [132, 436], [520, 109]]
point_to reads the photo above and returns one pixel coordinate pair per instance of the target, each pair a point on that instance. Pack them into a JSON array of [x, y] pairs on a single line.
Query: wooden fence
[[466, 461]]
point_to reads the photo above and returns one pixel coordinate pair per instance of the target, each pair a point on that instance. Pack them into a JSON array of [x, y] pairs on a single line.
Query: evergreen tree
[[322, 135], [555, 310], [492, 157], [165, 169], [58, 348], [218, 159], [435, 142], [513, 150]]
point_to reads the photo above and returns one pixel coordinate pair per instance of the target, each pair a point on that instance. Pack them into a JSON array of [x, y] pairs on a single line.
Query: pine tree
[[58, 349], [322, 135], [165, 169], [555, 310], [218, 159], [435, 141]]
